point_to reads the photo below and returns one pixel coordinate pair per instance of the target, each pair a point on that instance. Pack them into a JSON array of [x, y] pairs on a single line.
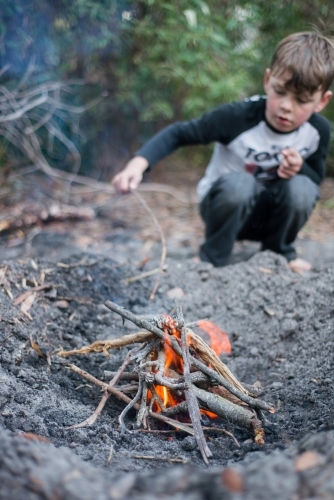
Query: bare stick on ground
[[163, 459]]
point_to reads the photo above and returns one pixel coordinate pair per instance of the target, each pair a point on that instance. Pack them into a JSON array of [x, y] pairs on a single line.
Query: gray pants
[[238, 207]]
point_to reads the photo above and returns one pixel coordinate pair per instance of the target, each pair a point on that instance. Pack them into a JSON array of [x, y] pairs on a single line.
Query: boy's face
[[286, 110]]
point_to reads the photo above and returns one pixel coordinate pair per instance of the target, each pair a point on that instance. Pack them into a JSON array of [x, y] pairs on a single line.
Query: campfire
[[176, 378]]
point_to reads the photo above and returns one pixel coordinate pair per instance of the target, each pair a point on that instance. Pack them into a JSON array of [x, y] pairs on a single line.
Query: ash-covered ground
[[281, 328]]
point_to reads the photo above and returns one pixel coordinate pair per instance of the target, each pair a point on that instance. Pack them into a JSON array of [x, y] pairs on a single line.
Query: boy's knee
[[302, 193], [235, 188]]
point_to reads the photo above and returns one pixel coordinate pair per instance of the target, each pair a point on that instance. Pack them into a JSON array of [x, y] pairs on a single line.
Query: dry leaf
[[22, 297], [259, 436], [269, 311], [8, 292], [34, 437], [61, 264], [265, 270], [32, 282], [36, 347], [28, 302], [175, 293], [37, 482], [232, 480], [75, 264], [309, 460], [52, 294], [34, 265], [84, 240], [3, 275], [4, 224], [62, 304], [48, 271]]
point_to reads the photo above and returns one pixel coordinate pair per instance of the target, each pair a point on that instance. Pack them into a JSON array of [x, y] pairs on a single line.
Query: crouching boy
[[263, 178]]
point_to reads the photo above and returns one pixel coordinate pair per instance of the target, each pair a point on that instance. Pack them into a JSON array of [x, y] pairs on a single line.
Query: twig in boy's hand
[[162, 237]]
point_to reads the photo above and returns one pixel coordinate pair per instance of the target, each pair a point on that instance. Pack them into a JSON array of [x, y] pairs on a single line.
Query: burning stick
[[104, 345], [189, 394]]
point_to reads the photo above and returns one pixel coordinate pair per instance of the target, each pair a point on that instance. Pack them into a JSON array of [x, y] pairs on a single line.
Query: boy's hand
[[291, 164], [131, 176]]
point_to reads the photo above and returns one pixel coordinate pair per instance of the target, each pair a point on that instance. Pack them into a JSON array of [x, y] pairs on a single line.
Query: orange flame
[[166, 396], [173, 361], [208, 413], [220, 343]]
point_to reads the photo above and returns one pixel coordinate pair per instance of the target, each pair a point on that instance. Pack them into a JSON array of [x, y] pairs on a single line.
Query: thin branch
[[162, 238], [103, 385], [143, 275], [132, 403], [91, 420], [163, 459], [105, 345]]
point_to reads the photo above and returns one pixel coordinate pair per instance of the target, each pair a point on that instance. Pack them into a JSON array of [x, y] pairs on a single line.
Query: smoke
[[62, 37]]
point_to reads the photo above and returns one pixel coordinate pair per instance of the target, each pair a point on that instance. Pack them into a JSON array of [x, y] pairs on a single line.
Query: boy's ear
[[266, 77], [324, 101]]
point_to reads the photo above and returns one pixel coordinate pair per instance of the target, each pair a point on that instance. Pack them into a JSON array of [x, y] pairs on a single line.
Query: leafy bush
[[159, 61]]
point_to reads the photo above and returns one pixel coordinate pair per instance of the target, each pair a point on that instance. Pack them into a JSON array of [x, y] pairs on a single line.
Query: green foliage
[[189, 58], [159, 60]]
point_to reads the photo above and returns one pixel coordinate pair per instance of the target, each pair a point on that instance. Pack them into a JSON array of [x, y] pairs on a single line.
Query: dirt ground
[[122, 227], [280, 325]]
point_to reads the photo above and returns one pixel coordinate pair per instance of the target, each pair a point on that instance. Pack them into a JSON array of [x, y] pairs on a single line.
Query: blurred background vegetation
[[160, 61]]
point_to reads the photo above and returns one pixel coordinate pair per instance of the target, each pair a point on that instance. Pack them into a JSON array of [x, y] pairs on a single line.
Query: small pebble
[[189, 443]]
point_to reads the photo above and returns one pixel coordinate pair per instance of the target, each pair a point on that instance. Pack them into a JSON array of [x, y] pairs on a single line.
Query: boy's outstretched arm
[[130, 177], [291, 164]]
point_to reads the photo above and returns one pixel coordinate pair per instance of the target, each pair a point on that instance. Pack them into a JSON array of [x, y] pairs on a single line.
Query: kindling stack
[[174, 374]]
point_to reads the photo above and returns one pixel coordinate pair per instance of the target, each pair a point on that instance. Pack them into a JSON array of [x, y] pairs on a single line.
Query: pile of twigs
[[198, 381]]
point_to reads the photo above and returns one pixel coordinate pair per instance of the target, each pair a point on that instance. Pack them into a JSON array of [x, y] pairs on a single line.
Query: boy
[[262, 180]]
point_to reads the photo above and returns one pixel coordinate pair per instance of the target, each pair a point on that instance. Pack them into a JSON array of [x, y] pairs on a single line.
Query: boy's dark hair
[[309, 58]]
